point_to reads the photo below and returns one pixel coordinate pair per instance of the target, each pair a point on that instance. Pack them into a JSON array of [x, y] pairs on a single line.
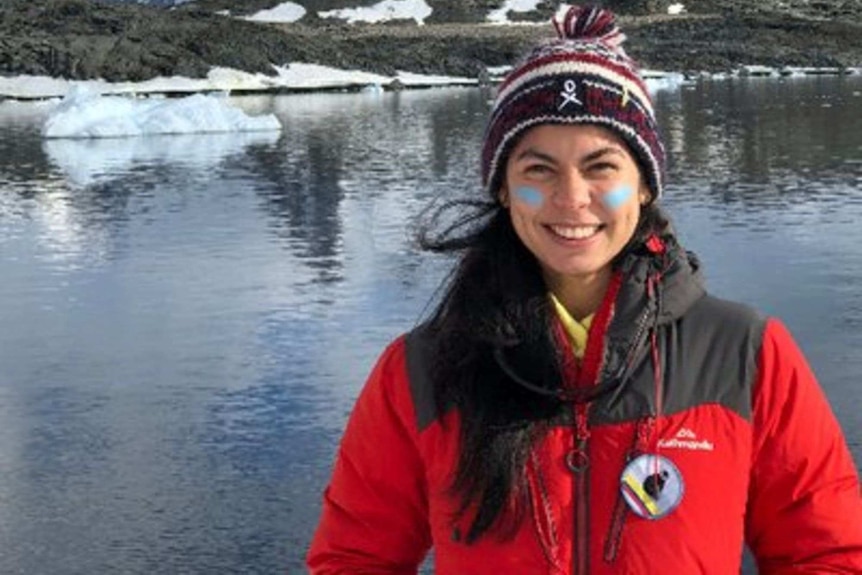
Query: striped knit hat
[[582, 77]]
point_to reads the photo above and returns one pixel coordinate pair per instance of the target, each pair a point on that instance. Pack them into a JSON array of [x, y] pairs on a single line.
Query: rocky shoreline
[[85, 40]]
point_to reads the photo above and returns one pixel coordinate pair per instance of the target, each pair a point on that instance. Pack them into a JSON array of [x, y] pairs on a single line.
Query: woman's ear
[[503, 196], [644, 196]]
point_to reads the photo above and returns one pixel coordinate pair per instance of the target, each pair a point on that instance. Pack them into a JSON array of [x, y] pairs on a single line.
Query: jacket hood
[[677, 281]]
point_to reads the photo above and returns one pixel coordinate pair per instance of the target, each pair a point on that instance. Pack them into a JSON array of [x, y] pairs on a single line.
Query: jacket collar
[[655, 283], [661, 281]]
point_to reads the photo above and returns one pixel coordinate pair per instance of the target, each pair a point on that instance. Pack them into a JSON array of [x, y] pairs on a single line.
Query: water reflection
[[357, 167], [187, 321], [739, 140]]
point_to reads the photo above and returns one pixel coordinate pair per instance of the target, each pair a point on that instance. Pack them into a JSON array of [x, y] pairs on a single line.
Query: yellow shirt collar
[[576, 330]]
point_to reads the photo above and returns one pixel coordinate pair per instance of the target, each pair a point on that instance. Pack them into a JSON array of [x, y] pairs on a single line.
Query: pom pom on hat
[[581, 77], [589, 22]]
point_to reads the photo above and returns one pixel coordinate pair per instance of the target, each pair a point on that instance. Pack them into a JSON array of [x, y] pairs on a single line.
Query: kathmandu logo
[[686, 439]]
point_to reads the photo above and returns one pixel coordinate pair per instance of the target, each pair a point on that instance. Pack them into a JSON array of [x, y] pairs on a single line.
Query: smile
[[576, 232]]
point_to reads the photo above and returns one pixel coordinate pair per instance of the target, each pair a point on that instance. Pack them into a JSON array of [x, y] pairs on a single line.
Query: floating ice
[[85, 114], [656, 80], [97, 160], [756, 70]]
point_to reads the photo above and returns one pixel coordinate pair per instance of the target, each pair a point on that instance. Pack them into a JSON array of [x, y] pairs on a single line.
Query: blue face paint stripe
[[617, 197], [530, 196]]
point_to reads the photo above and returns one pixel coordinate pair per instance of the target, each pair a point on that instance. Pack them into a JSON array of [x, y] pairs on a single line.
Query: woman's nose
[[573, 190]]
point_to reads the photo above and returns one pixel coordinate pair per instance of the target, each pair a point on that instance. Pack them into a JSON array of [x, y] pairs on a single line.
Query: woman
[[577, 403]]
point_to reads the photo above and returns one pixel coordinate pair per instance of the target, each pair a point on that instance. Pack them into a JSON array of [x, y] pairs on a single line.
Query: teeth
[[575, 232]]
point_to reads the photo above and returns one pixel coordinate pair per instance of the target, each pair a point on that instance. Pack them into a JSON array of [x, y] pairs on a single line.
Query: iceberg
[[90, 161], [86, 114]]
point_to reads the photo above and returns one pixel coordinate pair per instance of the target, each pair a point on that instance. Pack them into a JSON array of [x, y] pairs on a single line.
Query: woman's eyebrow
[[601, 152], [534, 154]]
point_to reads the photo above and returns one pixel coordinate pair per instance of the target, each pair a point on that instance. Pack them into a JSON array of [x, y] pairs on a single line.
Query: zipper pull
[[577, 459]]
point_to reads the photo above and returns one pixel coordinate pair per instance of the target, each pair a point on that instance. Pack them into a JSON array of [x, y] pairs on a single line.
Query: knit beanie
[[581, 77]]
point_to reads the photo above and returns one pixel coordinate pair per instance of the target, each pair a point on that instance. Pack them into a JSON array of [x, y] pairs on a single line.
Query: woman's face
[[574, 194]]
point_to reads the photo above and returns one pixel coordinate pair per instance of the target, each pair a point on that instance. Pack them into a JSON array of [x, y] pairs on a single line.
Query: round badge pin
[[652, 486]]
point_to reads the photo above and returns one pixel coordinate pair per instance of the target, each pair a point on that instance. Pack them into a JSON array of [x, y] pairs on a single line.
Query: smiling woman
[[577, 402]]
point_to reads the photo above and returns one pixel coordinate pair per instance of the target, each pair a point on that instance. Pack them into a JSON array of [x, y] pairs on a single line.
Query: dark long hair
[[495, 298]]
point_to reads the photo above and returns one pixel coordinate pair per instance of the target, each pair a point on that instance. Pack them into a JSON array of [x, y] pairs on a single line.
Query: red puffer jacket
[[744, 446]]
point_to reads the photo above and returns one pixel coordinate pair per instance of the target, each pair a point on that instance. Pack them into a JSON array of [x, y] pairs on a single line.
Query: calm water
[[185, 321]]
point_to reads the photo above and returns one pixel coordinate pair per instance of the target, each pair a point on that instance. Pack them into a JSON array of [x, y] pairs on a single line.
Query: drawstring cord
[[647, 432], [653, 287], [543, 515]]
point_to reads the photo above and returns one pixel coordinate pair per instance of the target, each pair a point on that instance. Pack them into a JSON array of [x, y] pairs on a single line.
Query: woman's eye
[[538, 170], [601, 167]]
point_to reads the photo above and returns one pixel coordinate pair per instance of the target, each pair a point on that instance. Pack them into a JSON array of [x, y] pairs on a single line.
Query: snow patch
[[286, 12], [497, 71], [314, 76], [756, 70], [384, 11], [410, 79], [85, 114]]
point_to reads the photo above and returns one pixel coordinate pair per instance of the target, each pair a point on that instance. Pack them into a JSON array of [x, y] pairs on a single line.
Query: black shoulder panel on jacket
[[708, 356], [418, 374]]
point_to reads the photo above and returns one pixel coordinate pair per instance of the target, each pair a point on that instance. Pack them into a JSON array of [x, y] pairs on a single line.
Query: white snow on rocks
[[285, 12], [384, 11]]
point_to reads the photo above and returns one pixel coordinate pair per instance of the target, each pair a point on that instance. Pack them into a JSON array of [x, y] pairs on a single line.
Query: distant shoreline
[[39, 89]]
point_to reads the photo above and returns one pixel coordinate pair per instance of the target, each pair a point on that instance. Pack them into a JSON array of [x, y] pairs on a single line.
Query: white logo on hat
[[569, 94]]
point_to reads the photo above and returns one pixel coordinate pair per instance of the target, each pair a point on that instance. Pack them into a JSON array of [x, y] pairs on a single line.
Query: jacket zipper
[[578, 458], [578, 462], [583, 566]]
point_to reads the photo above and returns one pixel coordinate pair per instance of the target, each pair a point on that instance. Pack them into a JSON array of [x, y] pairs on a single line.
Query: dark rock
[[638, 7], [465, 11]]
